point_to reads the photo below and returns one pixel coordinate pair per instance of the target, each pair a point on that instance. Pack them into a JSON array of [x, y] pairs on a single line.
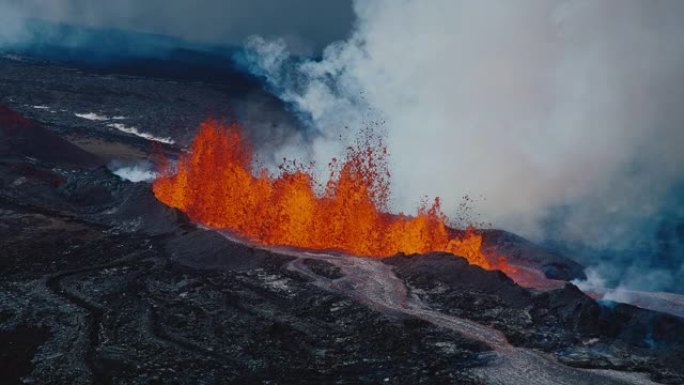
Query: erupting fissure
[[213, 183]]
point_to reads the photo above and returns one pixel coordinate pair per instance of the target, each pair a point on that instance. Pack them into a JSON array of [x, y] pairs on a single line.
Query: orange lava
[[213, 183]]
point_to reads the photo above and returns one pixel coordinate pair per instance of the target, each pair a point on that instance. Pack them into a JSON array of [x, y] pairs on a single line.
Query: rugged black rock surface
[[94, 291], [103, 284], [577, 329]]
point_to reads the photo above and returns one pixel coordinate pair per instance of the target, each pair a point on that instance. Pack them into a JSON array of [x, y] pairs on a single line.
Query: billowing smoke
[[564, 116]]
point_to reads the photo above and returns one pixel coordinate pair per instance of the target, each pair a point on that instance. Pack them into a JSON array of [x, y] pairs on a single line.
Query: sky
[[307, 25]]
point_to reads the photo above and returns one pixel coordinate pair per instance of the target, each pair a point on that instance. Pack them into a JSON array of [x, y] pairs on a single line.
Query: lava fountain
[[214, 185]]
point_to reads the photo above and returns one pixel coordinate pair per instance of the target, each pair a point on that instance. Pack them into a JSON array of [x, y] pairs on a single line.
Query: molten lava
[[214, 185]]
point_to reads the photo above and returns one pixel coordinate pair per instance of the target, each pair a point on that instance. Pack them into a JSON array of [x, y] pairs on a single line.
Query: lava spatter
[[214, 184]]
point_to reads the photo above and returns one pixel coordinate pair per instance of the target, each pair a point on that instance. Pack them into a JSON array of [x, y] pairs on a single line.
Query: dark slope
[[565, 321], [523, 252], [23, 138]]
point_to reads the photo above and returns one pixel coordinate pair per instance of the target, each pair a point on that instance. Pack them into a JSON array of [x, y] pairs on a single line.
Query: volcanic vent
[[214, 184]]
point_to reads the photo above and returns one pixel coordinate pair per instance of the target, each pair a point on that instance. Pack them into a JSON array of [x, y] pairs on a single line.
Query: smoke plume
[[562, 115]]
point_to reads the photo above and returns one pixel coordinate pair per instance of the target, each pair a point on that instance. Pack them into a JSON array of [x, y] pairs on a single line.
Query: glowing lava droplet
[[214, 185]]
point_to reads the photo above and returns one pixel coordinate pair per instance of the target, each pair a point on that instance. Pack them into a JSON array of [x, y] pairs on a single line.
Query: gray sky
[[304, 24]]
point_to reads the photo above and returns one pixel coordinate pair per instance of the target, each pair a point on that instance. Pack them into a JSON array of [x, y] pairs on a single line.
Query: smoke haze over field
[[307, 25], [562, 113]]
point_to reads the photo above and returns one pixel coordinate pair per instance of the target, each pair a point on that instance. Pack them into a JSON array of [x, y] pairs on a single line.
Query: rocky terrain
[[103, 284]]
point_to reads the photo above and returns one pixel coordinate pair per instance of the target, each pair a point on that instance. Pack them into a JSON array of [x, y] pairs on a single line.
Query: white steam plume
[[137, 172], [532, 104]]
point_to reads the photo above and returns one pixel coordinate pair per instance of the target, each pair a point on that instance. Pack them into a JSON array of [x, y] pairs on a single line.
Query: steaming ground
[[561, 117], [136, 172]]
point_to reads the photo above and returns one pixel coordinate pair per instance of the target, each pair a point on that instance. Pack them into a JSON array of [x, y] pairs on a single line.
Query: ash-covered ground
[[102, 284]]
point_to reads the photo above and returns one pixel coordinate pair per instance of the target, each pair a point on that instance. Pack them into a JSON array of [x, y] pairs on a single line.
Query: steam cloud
[[566, 114], [138, 172]]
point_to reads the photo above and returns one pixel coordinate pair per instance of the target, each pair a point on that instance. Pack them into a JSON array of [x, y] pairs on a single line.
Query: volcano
[[214, 185], [218, 272]]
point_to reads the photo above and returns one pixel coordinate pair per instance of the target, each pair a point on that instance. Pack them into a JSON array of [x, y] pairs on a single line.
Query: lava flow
[[214, 185]]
